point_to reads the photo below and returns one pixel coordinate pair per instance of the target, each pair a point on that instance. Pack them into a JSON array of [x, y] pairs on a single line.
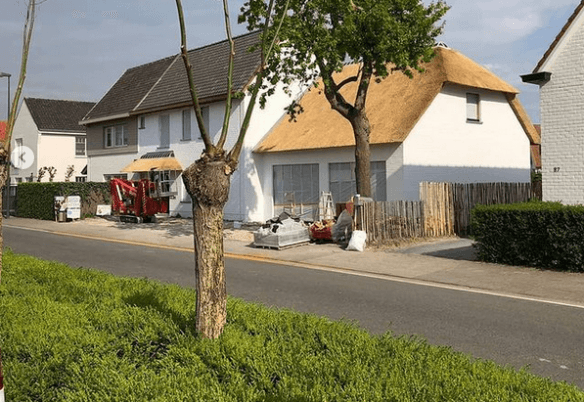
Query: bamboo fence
[[460, 199], [444, 210], [385, 221]]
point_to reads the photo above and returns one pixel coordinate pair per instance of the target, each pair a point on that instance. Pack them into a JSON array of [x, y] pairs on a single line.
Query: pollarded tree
[[318, 36], [208, 179], [5, 147]]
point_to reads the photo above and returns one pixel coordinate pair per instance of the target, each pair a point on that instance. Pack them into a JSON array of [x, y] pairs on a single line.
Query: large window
[[164, 125], [115, 136], [186, 125], [343, 185], [473, 111], [108, 177], [79, 146], [296, 189]]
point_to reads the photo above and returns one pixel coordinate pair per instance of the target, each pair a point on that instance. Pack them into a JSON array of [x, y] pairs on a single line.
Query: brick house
[[560, 76]]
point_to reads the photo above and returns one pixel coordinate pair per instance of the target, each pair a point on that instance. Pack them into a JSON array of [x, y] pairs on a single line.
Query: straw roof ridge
[[395, 104]]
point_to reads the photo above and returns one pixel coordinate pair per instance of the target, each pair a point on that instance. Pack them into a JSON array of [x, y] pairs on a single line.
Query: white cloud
[[498, 21]]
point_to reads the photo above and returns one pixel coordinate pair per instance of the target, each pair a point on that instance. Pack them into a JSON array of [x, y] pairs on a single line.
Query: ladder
[[326, 208]]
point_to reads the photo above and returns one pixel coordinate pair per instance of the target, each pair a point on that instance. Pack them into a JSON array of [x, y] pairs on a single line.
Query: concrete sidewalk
[[557, 287]]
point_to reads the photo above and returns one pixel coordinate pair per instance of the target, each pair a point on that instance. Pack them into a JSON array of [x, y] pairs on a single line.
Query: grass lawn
[[81, 335]]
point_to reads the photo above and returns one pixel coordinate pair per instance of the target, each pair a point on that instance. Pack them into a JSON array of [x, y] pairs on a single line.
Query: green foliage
[[318, 36], [36, 200], [82, 335], [537, 234]]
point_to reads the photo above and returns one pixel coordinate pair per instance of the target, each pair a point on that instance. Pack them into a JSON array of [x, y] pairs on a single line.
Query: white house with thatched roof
[[560, 76], [456, 122]]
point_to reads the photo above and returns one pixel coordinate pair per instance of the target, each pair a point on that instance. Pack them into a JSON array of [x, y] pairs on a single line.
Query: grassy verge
[[82, 335]]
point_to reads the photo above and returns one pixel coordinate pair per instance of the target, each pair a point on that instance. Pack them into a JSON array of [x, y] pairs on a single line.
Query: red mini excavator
[[137, 198]]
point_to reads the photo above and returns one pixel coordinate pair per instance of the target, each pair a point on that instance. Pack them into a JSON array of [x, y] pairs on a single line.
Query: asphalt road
[[546, 337]]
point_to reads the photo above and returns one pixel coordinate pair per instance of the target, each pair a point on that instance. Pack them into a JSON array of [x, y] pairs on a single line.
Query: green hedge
[[536, 234], [36, 200]]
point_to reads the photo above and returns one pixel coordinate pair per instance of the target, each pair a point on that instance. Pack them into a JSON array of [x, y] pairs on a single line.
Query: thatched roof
[[394, 105]]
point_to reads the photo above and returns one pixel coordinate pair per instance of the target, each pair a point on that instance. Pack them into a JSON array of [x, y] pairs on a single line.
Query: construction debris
[[282, 231]]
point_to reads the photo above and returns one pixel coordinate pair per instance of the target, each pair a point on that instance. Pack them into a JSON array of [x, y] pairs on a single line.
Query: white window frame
[[187, 132], [164, 130], [115, 136], [378, 170], [108, 177], [142, 122], [77, 143], [80, 179], [473, 107]]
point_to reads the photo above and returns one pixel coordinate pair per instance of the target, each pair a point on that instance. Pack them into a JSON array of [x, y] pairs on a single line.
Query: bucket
[[62, 216]]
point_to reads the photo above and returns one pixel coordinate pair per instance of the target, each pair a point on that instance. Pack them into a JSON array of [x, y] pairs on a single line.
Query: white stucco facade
[[445, 147], [562, 123], [442, 147], [246, 200], [50, 148]]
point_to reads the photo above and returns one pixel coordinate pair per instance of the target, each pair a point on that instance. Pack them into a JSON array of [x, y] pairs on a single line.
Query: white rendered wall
[[390, 153], [444, 147], [562, 120], [25, 128], [58, 151]]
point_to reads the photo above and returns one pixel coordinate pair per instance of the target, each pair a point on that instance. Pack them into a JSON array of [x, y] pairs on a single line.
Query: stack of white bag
[[357, 242]]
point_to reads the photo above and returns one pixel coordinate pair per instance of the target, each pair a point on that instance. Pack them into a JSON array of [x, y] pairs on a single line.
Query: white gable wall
[[562, 120], [444, 147], [58, 151], [25, 128]]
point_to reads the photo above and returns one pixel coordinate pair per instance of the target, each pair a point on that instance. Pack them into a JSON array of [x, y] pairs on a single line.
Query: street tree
[[207, 180], [319, 36], [5, 148]]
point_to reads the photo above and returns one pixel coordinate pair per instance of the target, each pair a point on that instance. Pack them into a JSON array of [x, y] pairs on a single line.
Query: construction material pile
[[281, 231]]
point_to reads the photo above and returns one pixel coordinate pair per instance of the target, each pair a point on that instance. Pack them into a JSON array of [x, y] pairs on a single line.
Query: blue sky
[[81, 47]]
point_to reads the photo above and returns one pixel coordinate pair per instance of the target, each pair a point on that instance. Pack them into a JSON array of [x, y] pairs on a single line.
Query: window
[[343, 185], [108, 177], [29, 179], [296, 188], [473, 107], [79, 146], [142, 122], [164, 127], [80, 179], [163, 180], [186, 125], [115, 136], [18, 179]]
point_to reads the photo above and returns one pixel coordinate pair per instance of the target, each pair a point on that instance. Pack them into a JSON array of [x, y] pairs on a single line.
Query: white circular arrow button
[[22, 157]]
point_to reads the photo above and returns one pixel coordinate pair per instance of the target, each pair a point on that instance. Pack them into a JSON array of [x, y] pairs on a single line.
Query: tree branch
[[363, 89], [228, 103], [209, 148], [347, 81], [27, 37], [335, 99], [234, 154]]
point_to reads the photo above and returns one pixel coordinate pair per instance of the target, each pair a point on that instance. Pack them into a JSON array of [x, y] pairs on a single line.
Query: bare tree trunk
[[208, 184], [3, 177], [361, 130]]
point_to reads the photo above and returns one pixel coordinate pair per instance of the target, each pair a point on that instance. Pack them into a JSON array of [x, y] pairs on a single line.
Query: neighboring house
[[145, 127], [3, 125], [50, 128], [456, 122], [560, 76]]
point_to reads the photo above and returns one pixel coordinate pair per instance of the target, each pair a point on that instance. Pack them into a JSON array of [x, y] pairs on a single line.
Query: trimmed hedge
[[36, 200], [536, 234]]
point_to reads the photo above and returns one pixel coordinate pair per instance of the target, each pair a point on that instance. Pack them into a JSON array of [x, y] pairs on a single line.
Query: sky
[[81, 47]]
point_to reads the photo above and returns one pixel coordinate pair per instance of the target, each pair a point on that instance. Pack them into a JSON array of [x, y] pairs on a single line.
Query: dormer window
[[473, 110]]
